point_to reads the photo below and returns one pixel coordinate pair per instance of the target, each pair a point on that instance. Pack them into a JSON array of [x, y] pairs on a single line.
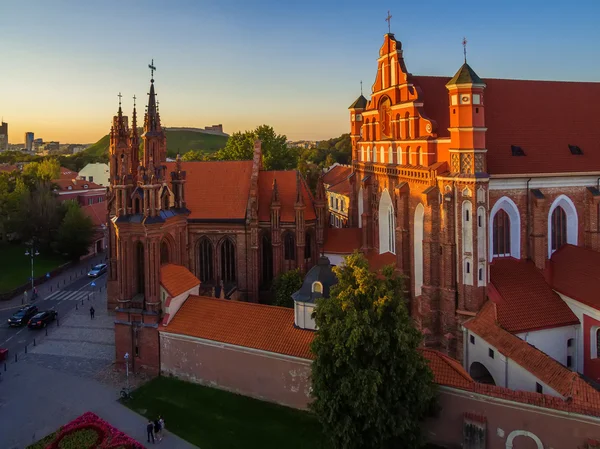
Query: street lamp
[[32, 253]]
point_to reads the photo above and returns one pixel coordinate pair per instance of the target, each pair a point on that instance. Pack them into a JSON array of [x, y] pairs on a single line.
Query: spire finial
[[152, 69], [361, 87], [119, 98], [464, 42], [134, 101], [388, 19]]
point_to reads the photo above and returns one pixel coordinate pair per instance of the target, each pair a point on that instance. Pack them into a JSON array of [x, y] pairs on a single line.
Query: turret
[[119, 147], [155, 141], [356, 122]]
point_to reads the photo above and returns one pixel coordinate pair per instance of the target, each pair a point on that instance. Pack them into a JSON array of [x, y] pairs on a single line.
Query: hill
[[177, 142]]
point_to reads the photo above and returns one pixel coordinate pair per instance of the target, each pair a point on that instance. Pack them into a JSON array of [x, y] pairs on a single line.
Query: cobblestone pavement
[[67, 373]]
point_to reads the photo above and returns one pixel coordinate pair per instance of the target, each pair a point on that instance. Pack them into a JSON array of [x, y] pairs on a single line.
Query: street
[[68, 296]]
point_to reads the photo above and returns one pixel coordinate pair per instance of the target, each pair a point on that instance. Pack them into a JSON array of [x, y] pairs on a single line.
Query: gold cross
[[388, 19]]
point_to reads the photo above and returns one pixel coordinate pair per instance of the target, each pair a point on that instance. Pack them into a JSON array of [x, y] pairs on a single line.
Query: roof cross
[[134, 100], [119, 98], [464, 42], [152, 69], [388, 19], [361, 87]]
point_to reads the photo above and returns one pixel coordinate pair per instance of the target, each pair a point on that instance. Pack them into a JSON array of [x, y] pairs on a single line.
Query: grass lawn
[[215, 419], [15, 266]]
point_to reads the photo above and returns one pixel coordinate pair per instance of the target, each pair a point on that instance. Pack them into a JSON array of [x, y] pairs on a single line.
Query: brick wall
[[262, 375], [507, 421]]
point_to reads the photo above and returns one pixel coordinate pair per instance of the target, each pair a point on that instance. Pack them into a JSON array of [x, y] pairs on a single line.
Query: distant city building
[[97, 173], [29, 141], [3, 136], [77, 149], [214, 129], [37, 144], [50, 148]]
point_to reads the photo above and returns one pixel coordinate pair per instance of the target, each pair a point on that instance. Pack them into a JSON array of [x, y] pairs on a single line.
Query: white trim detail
[[572, 221], [419, 231], [508, 206], [499, 182], [594, 342], [524, 433]]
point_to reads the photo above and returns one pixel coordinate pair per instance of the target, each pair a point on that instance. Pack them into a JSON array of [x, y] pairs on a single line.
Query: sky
[[296, 66]]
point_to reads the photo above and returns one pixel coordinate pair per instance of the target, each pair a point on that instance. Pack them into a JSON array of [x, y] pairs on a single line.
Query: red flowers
[[79, 434]]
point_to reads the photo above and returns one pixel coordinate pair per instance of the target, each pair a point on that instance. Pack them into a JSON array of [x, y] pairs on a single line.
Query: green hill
[[177, 142]]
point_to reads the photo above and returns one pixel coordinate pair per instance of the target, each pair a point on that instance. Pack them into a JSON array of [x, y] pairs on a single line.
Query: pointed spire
[[320, 189], [299, 195], [134, 131], [152, 119], [274, 192], [178, 163]]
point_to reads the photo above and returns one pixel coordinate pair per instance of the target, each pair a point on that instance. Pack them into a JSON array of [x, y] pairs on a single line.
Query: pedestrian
[[149, 430], [35, 294], [161, 421], [25, 295], [92, 311], [157, 429]]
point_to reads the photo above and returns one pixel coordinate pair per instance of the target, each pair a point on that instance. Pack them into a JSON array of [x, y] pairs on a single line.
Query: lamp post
[[32, 253], [127, 370]]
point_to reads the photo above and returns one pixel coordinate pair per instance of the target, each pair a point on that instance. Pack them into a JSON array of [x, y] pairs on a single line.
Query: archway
[[419, 231], [205, 261], [524, 440], [570, 227], [386, 224], [481, 374], [165, 253]]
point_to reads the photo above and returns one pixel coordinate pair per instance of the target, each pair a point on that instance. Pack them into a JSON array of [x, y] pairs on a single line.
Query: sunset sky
[[293, 65]]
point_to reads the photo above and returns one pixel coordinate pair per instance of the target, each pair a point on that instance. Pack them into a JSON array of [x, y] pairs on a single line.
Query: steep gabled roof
[[465, 75], [359, 103], [97, 213], [336, 174], [576, 274], [177, 279], [524, 301], [286, 184]]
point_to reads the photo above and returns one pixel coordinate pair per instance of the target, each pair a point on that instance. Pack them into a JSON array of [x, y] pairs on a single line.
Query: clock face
[[464, 99]]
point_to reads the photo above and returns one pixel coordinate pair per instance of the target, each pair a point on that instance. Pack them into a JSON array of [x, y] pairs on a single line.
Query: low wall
[[263, 375]]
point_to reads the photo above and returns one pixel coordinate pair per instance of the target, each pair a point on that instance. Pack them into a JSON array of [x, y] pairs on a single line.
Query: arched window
[[383, 80], [359, 200], [368, 154], [289, 247], [409, 156], [386, 224], [399, 160], [140, 268], [227, 261], [416, 124], [308, 244], [390, 156], [381, 155], [559, 228], [317, 287], [267, 260], [165, 201], [397, 132], [374, 155], [205, 261], [362, 154], [419, 157], [407, 125], [367, 130], [501, 234], [393, 71], [164, 252]]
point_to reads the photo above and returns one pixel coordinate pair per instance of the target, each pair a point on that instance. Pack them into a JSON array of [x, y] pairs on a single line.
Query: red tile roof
[[342, 240], [177, 279], [97, 212], [267, 328], [524, 301], [76, 184], [286, 185], [341, 188], [66, 173], [336, 174], [565, 382], [8, 168], [575, 272], [529, 114], [216, 190], [446, 370]]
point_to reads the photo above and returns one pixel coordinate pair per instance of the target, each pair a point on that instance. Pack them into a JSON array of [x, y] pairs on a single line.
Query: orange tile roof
[[342, 240], [336, 175], [565, 382], [446, 370], [76, 184], [529, 114], [286, 185], [575, 272], [177, 279], [524, 301], [66, 173], [341, 188], [97, 212], [216, 190], [267, 328]]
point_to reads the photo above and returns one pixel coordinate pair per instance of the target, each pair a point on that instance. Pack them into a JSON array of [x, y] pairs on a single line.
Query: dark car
[[22, 316], [98, 270], [42, 319]]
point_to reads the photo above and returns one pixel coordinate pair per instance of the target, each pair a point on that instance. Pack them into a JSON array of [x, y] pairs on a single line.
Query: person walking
[[92, 311], [157, 429], [25, 296], [150, 430], [161, 421]]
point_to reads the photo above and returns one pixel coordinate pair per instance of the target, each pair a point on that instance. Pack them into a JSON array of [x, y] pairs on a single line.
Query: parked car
[[42, 319], [22, 316], [98, 270]]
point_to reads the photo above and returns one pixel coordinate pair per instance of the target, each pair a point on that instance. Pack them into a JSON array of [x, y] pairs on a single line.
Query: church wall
[[266, 376], [505, 420]]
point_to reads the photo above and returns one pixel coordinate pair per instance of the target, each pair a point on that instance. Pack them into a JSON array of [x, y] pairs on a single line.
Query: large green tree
[[39, 215], [276, 154], [75, 232], [371, 385], [47, 170], [283, 286]]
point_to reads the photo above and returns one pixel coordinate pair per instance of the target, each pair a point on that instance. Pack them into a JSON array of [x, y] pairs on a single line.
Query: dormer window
[[85, 186], [517, 151], [575, 150], [69, 187], [317, 287]]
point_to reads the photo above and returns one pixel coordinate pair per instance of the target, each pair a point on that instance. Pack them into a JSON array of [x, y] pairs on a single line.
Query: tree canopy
[[46, 170], [284, 285], [371, 385], [75, 232]]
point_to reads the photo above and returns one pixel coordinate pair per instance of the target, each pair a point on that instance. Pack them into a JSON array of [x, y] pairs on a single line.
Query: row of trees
[[73, 162], [31, 211]]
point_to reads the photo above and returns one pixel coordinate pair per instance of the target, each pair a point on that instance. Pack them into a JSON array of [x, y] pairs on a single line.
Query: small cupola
[[317, 284]]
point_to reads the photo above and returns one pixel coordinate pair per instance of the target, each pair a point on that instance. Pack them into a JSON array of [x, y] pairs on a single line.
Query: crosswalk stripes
[[67, 295]]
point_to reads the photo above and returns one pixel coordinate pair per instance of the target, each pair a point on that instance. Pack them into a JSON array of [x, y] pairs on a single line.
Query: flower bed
[[88, 431]]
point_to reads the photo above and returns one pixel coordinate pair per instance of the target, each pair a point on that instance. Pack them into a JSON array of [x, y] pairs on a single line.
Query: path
[[55, 382]]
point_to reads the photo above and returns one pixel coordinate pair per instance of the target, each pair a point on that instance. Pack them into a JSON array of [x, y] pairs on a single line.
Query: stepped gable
[[524, 301], [537, 116]]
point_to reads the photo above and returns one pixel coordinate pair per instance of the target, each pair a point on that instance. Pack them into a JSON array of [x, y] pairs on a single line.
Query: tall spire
[[152, 119], [119, 127], [464, 42]]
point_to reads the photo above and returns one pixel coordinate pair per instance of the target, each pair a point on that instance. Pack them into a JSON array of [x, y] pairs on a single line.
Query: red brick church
[[231, 224]]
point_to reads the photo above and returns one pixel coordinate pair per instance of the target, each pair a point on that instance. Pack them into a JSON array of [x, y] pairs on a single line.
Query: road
[[63, 300]]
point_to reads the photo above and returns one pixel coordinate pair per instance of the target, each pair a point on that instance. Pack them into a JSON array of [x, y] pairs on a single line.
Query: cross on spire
[[361, 87], [464, 42], [119, 98], [388, 19], [134, 100], [152, 69]]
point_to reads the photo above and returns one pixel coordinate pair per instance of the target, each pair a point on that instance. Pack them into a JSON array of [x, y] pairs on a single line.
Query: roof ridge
[[247, 303]]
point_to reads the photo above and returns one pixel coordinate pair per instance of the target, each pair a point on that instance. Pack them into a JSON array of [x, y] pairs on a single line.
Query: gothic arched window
[[205, 259], [267, 260], [164, 252], [289, 247], [227, 261], [501, 234], [559, 228]]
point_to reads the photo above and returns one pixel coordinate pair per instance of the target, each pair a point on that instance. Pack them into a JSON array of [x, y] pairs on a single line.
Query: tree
[[75, 232], [46, 170], [194, 155], [284, 285], [39, 214], [371, 386]]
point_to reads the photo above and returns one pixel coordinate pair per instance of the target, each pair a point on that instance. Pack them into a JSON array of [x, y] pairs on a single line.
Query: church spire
[[155, 141]]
